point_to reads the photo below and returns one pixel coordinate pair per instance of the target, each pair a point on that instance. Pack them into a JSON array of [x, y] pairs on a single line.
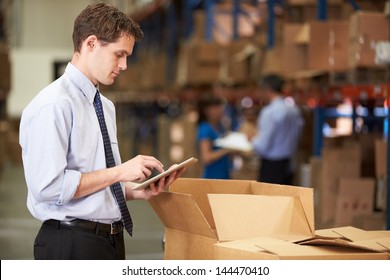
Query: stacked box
[[366, 29], [328, 45], [337, 163]]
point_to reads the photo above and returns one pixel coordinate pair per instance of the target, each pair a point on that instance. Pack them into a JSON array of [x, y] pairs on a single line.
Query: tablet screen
[[166, 173]]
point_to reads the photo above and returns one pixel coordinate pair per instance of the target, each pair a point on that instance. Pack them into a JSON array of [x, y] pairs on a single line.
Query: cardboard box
[[366, 28], [194, 214], [337, 163], [240, 61], [380, 158], [199, 63], [238, 219], [355, 198], [373, 221], [294, 54], [272, 62], [248, 20], [328, 45]]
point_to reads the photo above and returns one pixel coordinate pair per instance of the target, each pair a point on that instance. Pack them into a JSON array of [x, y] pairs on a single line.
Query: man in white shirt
[[64, 158]]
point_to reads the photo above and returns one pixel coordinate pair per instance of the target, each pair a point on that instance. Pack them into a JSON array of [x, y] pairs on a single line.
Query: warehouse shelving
[[375, 94], [326, 98]]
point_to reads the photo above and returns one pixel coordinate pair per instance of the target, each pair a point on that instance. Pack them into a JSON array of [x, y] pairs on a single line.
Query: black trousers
[[276, 171], [61, 243]]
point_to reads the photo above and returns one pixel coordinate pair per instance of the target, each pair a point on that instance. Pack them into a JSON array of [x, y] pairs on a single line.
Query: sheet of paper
[[235, 141]]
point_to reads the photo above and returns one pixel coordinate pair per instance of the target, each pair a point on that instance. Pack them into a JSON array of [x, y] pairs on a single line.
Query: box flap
[[380, 244], [199, 188], [363, 245], [180, 212], [356, 234], [287, 250], [327, 233], [248, 216], [306, 196], [354, 237]]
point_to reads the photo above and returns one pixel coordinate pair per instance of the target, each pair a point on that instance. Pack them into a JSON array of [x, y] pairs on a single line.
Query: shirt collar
[[277, 100], [81, 81]]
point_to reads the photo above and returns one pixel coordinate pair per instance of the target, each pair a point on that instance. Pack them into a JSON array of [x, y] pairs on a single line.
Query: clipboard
[[166, 173]]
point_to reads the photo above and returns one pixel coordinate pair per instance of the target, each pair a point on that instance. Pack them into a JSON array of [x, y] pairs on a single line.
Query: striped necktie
[[110, 162]]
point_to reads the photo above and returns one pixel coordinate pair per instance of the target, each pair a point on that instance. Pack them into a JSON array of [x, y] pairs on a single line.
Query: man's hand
[[154, 189]]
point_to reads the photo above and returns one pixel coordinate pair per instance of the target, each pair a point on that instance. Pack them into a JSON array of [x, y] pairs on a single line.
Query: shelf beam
[[322, 10], [271, 24]]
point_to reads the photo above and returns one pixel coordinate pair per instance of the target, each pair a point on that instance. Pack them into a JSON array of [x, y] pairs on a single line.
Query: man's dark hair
[[106, 22], [273, 82]]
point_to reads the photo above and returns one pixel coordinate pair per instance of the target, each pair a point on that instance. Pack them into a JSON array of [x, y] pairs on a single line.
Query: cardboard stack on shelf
[[334, 45], [221, 59]]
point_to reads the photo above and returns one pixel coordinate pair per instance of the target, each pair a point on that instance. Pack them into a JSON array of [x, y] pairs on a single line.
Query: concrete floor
[[18, 228]]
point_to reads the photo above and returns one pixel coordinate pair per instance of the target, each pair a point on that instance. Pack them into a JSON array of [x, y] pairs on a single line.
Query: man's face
[[109, 59]]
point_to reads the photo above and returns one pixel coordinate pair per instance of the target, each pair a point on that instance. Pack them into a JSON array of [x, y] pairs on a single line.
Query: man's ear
[[91, 42]]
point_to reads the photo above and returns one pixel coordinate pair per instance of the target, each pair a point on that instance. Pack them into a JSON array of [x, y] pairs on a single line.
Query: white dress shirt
[[61, 139]]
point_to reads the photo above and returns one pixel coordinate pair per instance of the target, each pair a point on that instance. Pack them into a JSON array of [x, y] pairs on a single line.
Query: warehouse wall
[[41, 33]]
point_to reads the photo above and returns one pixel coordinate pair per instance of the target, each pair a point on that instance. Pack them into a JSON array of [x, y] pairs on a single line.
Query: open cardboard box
[[239, 219]]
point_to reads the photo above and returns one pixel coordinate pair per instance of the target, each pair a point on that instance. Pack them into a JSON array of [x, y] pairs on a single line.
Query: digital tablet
[[166, 173]]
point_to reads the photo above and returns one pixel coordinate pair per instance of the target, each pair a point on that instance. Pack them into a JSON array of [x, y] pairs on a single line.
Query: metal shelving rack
[[356, 93], [353, 92]]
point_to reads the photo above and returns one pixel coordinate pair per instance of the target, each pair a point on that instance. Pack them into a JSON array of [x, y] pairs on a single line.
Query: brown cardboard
[[373, 221], [276, 249], [273, 61], [380, 158], [294, 54], [355, 197], [240, 61], [366, 28], [222, 31], [337, 162], [352, 234], [239, 219], [198, 63], [188, 217], [328, 45], [287, 220]]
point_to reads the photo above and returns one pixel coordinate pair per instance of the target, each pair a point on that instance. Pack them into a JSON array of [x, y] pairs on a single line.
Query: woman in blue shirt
[[216, 161]]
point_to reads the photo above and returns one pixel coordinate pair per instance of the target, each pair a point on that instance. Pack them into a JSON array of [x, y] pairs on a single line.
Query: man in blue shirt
[[64, 155], [279, 128]]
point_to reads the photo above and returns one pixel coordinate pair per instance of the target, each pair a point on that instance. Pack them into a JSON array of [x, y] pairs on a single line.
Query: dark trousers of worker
[[62, 243], [275, 171]]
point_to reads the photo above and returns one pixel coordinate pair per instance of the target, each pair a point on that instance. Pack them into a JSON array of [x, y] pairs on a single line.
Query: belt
[[89, 226]]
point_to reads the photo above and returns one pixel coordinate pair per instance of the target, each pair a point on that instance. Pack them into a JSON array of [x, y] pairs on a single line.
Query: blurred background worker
[[279, 128], [216, 161]]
